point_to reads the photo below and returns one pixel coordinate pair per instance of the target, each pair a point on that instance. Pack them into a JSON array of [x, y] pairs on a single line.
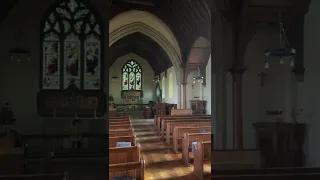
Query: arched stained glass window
[[71, 46], [131, 76]]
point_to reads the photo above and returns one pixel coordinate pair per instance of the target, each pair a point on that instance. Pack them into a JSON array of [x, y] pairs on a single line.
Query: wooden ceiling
[[187, 19]]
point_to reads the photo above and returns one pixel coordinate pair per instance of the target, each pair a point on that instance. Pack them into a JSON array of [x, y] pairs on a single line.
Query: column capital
[[238, 70], [184, 83]]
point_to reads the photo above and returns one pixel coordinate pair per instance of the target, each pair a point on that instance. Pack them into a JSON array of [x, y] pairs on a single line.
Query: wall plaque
[[64, 104]]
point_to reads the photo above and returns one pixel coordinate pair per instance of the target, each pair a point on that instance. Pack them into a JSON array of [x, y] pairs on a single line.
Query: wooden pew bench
[[120, 123], [131, 169], [120, 132], [58, 176], [124, 154], [171, 125], [12, 163], [158, 119], [187, 141], [202, 159], [114, 140], [164, 123], [181, 112], [123, 126], [179, 131], [281, 170], [236, 159], [294, 176]]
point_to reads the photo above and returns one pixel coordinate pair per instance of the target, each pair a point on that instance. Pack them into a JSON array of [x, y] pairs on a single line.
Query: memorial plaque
[[53, 103]]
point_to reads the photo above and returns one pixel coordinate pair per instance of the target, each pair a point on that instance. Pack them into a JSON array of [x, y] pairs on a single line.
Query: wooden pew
[[294, 176], [123, 126], [164, 123], [172, 125], [131, 169], [279, 170], [119, 117], [56, 176], [178, 133], [161, 120], [235, 159], [202, 155], [12, 163], [181, 112], [113, 140], [120, 132], [158, 119], [124, 154], [120, 122], [187, 141]]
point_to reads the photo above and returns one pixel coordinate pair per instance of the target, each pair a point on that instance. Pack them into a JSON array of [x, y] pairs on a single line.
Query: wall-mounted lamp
[[18, 51], [156, 79]]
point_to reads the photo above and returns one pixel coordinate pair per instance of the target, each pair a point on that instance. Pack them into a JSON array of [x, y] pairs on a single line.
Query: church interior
[[159, 89]]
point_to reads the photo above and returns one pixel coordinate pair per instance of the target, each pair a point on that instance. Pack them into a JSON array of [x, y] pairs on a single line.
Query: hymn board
[[71, 61]]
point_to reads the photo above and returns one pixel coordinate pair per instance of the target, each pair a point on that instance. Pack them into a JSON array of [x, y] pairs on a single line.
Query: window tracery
[[131, 76], [71, 47]]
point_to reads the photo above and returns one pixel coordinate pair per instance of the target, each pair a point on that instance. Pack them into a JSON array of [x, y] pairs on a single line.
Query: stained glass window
[[131, 76], [71, 46]]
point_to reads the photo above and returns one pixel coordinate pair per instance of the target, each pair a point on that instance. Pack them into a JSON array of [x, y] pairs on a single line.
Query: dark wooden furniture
[[147, 113], [280, 143], [112, 112], [198, 106]]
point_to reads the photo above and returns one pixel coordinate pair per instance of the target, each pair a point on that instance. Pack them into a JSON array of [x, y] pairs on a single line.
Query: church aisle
[[161, 162]]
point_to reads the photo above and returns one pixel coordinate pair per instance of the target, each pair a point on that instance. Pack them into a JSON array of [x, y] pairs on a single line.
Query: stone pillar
[[237, 106], [184, 84], [221, 109], [288, 93]]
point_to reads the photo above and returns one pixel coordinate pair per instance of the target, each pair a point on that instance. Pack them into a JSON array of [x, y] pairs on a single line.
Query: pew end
[[202, 155], [124, 154], [131, 169]]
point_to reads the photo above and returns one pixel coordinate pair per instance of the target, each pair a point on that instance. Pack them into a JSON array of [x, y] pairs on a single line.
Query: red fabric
[[51, 68]]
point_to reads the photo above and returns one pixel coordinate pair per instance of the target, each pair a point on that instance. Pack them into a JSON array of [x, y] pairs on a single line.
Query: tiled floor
[[161, 162]]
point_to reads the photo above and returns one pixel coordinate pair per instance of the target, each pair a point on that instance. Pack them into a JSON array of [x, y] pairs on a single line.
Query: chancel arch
[[148, 24]]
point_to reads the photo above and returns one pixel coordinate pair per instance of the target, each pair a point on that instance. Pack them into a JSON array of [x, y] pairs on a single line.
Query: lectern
[[280, 143]]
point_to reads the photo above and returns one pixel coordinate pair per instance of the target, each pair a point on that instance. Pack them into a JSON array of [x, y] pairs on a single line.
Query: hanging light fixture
[[156, 79], [17, 52], [198, 78], [284, 51]]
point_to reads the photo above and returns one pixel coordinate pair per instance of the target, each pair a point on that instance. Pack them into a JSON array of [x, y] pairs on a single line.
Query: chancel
[[150, 89]]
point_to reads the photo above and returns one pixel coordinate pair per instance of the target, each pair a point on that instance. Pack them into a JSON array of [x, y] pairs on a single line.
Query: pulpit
[[280, 143], [198, 106]]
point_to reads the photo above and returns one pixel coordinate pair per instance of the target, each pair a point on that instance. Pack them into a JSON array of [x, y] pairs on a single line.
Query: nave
[[161, 162]]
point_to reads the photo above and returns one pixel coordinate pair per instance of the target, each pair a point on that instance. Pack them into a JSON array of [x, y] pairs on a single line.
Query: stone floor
[[161, 162]]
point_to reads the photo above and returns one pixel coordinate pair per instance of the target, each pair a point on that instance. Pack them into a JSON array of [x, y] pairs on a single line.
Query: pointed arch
[[71, 46], [140, 21]]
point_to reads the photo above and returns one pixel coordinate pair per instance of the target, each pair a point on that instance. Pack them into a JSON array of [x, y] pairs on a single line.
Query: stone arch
[[140, 21]]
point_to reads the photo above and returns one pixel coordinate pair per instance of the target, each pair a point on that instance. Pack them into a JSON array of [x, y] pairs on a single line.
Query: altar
[[132, 99]]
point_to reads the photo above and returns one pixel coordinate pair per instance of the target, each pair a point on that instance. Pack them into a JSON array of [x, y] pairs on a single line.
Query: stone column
[[184, 84], [237, 106], [288, 93], [221, 109]]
